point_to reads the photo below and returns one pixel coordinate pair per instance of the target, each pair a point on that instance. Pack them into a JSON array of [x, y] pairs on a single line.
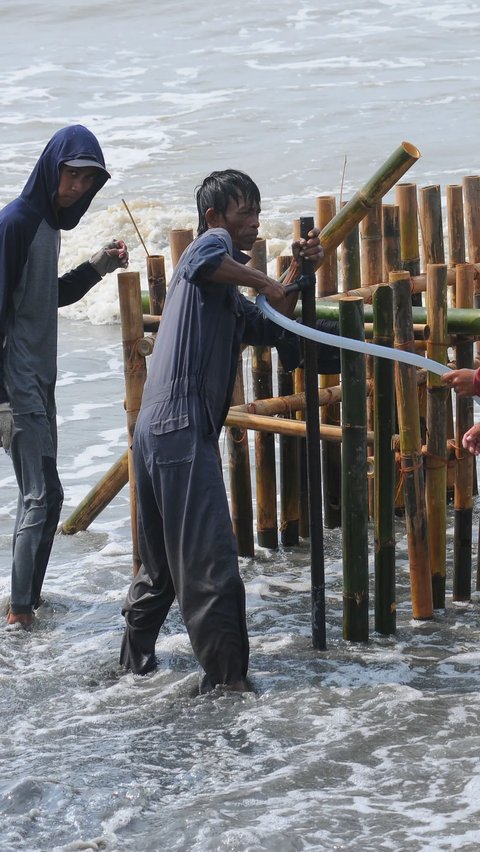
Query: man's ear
[[213, 219]]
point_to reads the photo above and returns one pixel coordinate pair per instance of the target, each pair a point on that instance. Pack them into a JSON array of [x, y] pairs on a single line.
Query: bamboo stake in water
[[240, 477], [354, 477], [464, 467], [411, 453], [436, 460], [384, 480]]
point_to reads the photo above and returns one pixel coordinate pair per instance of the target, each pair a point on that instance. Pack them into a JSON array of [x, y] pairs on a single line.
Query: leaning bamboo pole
[[411, 453], [354, 478], [98, 497], [384, 479], [265, 469], [436, 460], [327, 283], [135, 370], [463, 489]]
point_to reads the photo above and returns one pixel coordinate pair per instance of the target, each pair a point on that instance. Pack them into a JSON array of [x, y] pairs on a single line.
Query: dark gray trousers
[[188, 550], [40, 498]]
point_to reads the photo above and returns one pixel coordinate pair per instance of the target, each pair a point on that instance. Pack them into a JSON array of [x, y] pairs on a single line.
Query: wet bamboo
[[459, 320], [471, 198], [288, 453], [455, 230], [372, 269], [431, 225], [463, 490], [436, 459], [239, 474], [265, 468], [418, 285], [354, 478], [135, 370], [411, 453], [157, 283], [392, 258], [327, 283], [98, 497], [313, 453], [179, 239], [350, 258], [406, 200], [384, 428]]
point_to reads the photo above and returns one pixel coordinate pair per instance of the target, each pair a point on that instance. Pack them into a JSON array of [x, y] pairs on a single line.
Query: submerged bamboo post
[[288, 453], [354, 477], [265, 471], [179, 239], [157, 283], [131, 315], [436, 459], [98, 497], [239, 474], [411, 453], [384, 479], [463, 490], [327, 283]]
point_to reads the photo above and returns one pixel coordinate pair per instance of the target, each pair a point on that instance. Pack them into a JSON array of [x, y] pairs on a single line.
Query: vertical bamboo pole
[[288, 454], [239, 475], [179, 239], [384, 480], [157, 283], [392, 253], [372, 273], [436, 458], [471, 194], [135, 369], [411, 452], [406, 199], [464, 467], [431, 225], [354, 476], [327, 283], [314, 458], [350, 259], [299, 383], [456, 230], [265, 473]]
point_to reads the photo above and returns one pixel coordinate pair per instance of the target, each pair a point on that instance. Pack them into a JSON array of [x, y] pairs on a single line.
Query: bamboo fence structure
[[389, 255]]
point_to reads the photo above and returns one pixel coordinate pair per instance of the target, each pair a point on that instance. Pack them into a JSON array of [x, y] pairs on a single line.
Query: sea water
[[359, 747]]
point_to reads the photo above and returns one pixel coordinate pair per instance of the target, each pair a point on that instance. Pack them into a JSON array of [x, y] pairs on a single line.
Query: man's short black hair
[[219, 188]]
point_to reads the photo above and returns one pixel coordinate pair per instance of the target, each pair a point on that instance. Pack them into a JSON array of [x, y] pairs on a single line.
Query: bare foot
[[24, 619]]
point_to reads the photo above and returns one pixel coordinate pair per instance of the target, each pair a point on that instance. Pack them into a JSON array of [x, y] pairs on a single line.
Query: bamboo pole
[[135, 370], [350, 258], [431, 225], [436, 460], [459, 320], [157, 283], [455, 230], [354, 478], [288, 452], [411, 453], [384, 480], [265, 470], [406, 199], [392, 255], [179, 239], [463, 489], [299, 386], [471, 195], [327, 283], [97, 498], [239, 475]]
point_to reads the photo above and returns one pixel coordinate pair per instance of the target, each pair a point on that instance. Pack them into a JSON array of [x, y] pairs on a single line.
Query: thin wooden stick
[[135, 226]]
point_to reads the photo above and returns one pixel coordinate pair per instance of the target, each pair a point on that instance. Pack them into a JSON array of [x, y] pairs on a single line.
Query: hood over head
[[69, 144]]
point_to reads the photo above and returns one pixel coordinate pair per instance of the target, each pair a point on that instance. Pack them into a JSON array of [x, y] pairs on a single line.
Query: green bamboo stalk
[[350, 258], [384, 427], [411, 453], [464, 467], [436, 459], [354, 478]]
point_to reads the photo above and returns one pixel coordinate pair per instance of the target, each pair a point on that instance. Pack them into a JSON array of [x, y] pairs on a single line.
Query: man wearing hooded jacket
[[69, 173]]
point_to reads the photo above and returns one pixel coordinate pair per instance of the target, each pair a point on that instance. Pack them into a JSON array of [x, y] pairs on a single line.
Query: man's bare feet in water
[[242, 685], [19, 620]]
